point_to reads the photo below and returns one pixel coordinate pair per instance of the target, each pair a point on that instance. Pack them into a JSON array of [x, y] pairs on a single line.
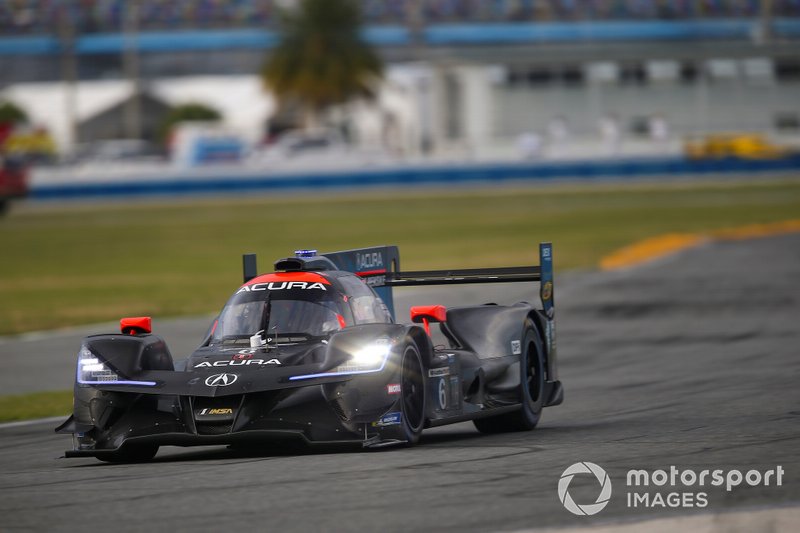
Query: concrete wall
[[702, 107]]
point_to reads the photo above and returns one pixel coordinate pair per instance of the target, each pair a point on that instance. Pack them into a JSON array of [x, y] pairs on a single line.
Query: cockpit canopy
[[299, 304]]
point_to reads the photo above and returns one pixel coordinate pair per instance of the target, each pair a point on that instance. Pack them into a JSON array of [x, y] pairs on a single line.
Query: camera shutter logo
[[602, 499]]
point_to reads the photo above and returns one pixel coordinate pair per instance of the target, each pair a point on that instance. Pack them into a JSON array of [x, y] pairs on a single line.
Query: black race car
[[312, 352]]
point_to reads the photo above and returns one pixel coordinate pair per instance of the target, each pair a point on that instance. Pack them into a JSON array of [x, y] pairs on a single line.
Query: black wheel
[[413, 394], [531, 390], [137, 454]]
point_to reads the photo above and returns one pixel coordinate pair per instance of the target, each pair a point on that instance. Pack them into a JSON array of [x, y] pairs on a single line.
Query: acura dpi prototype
[[312, 352]]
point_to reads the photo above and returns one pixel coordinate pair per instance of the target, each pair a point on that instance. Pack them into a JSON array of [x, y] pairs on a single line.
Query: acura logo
[[221, 380]]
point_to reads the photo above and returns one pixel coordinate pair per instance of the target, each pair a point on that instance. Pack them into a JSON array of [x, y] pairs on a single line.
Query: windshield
[[313, 313]]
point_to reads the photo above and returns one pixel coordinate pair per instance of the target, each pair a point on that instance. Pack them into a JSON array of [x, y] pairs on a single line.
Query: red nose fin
[[136, 325], [427, 314]]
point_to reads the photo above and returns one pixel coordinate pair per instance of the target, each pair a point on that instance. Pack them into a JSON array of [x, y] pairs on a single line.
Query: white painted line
[[34, 422]]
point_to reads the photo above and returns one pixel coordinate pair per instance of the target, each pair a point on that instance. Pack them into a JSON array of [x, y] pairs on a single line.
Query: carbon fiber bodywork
[[305, 388]]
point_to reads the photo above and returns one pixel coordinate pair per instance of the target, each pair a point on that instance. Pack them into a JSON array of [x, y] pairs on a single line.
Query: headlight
[[93, 371], [370, 358]]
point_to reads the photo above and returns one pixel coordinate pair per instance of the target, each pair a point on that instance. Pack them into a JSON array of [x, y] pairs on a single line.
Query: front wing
[[364, 409]]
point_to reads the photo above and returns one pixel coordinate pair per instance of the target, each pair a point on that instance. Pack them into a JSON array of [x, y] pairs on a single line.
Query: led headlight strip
[[92, 371], [367, 360]]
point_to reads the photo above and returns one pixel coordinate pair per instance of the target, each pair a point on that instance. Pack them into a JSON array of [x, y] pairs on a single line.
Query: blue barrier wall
[[410, 176], [435, 34]]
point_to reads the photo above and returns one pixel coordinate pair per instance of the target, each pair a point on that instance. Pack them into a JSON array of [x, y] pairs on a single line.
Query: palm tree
[[321, 59]]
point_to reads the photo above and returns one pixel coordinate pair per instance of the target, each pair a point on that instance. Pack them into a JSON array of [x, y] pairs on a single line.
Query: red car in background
[[13, 180]]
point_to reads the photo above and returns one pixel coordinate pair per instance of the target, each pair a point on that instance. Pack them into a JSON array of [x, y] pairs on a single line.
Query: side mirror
[[136, 325]]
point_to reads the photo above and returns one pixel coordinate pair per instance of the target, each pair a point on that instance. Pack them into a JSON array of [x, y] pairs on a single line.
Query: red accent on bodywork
[[308, 277], [214, 327], [428, 313], [366, 273], [434, 313], [135, 325], [342, 322]]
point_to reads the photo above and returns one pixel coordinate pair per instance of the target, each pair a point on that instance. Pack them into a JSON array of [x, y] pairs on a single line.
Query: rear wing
[[379, 267], [542, 273]]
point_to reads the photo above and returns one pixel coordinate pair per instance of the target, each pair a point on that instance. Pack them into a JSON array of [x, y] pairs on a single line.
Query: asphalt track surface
[[693, 361]]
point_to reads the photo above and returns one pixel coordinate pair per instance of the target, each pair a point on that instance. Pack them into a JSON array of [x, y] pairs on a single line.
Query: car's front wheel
[[412, 390]]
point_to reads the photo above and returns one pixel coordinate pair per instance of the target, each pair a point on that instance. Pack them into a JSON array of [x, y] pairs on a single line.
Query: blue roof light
[[305, 253]]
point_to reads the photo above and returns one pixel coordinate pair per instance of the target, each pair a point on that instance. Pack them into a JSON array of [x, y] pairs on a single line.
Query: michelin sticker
[[389, 419], [516, 347], [438, 372]]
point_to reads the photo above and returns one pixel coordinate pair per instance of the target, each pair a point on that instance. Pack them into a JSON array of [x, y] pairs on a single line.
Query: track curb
[[653, 248]]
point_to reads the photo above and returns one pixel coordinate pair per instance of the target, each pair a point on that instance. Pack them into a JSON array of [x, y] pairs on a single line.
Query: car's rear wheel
[[531, 390], [413, 394], [133, 454]]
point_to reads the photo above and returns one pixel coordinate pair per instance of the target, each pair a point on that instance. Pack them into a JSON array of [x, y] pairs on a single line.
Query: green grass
[[74, 265], [36, 405]]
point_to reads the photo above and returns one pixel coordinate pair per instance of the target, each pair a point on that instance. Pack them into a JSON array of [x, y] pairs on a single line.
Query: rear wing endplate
[[375, 265]]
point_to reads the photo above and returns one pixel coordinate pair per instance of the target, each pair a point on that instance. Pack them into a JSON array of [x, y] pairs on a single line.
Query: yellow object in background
[[34, 142], [742, 145]]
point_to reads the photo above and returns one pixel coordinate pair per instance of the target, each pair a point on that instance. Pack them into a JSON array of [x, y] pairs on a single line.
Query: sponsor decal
[[550, 336], [438, 372], [516, 347], [442, 394], [221, 380], [282, 285], [242, 356], [389, 419], [454, 392], [393, 388], [369, 260], [547, 290], [375, 281], [238, 362], [217, 411]]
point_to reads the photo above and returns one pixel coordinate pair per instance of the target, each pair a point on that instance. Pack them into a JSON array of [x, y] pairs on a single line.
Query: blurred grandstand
[[96, 16], [476, 78]]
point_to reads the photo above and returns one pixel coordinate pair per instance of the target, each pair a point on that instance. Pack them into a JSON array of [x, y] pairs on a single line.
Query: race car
[[312, 353]]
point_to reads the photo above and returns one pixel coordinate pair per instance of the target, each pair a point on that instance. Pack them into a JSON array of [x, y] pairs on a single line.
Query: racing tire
[[137, 454], [531, 390], [412, 393]]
